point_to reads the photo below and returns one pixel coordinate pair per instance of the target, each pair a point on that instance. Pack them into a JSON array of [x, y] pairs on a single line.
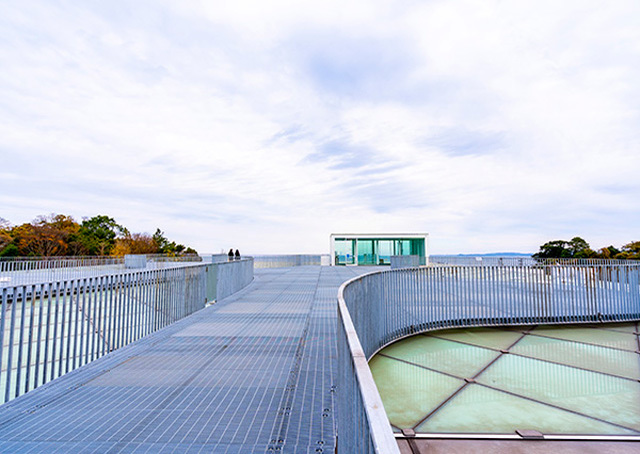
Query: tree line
[[61, 235], [578, 248]]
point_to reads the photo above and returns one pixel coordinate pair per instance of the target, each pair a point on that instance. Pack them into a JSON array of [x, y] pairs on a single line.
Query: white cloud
[[268, 125]]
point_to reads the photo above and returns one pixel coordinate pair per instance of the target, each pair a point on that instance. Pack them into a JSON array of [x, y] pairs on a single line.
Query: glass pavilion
[[376, 249]]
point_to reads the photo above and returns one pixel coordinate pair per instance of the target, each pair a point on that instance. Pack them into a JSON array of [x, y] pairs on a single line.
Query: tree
[[135, 243], [170, 247], [47, 236], [580, 249], [554, 249], [98, 234], [5, 234], [630, 251], [10, 251], [59, 234], [577, 248], [164, 246], [608, 252]]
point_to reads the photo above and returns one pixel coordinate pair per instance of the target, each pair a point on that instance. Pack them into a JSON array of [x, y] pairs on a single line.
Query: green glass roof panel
[[622, 327], [454, 358], [410, 392], [478, 409], [482, 337], [611, 399], [602, 359], [604, 337]]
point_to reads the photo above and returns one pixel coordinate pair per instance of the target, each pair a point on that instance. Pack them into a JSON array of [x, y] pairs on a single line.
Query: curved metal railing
[[381, 307]]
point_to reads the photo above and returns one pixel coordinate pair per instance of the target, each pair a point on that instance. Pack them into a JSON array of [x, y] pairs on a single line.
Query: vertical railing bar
[[54, 341], [3, 318], [155, 297], [144, 303], [133, 307], [171, 299], [101, 334], [47, 335], [16, 295], [160, 295], [63, 319], [21, 340], [90, 316], [81, 315], [98, 332], [141, 303], [141, 306], [176, 295], [626, 286], [111, 331], [73, 300], [619, 294], [128, 310], [36, 377], [120, 312], [93, 322], [124, 309], [30, 338]]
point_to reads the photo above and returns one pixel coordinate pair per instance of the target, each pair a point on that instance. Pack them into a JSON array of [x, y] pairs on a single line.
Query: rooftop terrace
[[273, 367]]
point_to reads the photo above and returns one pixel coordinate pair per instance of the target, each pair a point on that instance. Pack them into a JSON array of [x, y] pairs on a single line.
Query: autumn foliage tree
[[135, 243], [46, 236], [60, 235]]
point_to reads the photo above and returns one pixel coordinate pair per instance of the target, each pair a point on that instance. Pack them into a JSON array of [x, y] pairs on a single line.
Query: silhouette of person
[[230, 254], [237, 254]]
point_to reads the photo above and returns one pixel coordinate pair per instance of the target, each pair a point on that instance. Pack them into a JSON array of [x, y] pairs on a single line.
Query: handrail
[[35, 270], [381, 307], [374, 434], [470, 260], [287, 260]]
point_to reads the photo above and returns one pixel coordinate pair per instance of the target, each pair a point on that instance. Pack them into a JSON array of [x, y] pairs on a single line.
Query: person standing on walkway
[[230, 254], [237, 254]]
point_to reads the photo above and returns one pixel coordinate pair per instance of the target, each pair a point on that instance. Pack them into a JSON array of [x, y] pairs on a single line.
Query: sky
[[266, 126]]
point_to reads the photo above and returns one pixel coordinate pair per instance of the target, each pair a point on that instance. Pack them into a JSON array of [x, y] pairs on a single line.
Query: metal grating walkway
[[253, 373]]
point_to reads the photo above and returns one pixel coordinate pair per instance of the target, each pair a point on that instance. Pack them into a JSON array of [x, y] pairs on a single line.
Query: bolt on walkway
[[252, 373]]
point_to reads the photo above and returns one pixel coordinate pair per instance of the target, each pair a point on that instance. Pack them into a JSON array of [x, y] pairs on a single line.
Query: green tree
[[554, 249], [164, 246], [170, 247], [10, 251], [580, 249], [98, 234], [577, 248]]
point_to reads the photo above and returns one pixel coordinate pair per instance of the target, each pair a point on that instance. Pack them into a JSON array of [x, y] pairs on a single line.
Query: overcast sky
[[267, 125]]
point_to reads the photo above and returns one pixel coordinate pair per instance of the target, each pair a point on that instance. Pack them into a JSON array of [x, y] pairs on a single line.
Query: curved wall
[[379, 308]]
